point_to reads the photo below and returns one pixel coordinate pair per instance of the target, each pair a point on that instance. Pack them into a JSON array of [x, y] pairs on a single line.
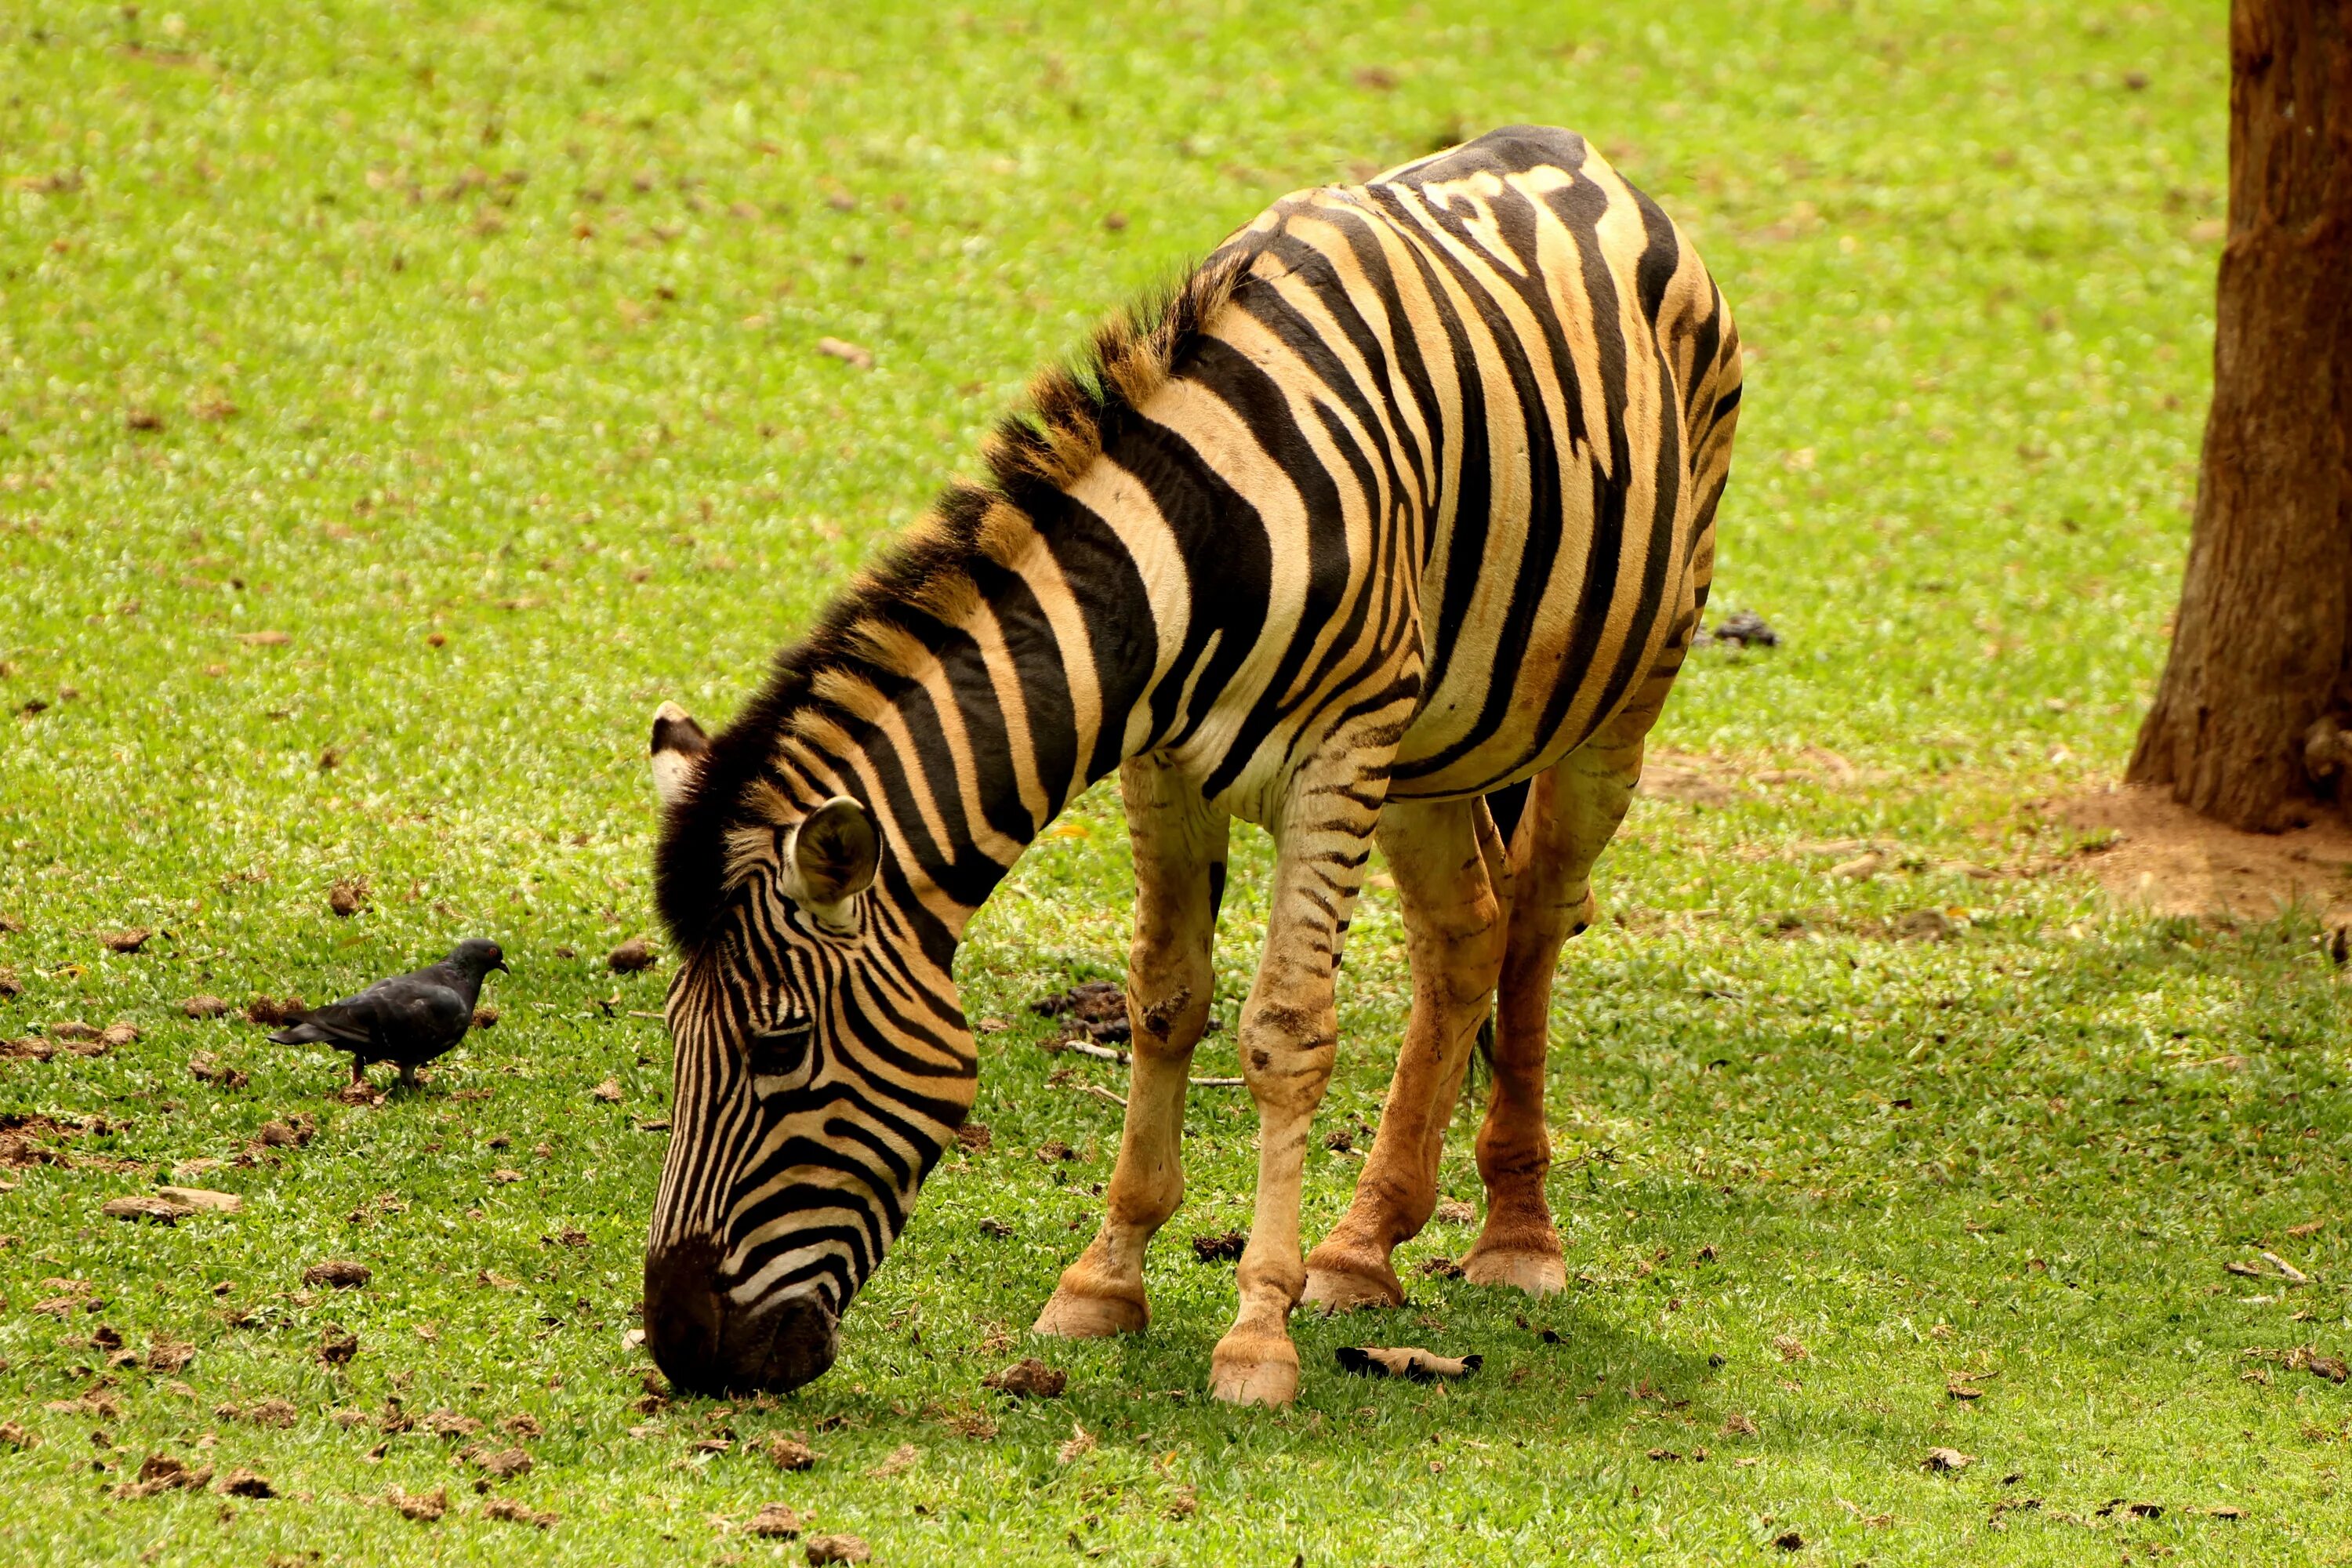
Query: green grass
[[517, 310]]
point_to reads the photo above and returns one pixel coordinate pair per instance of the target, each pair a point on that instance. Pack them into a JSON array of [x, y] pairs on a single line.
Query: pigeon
[[409, 1019]]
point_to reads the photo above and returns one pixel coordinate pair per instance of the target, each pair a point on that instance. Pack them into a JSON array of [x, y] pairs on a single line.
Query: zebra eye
[[782, 1051]]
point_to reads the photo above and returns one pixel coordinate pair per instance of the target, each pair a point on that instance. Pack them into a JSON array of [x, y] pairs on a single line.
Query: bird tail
[[299, 1034]]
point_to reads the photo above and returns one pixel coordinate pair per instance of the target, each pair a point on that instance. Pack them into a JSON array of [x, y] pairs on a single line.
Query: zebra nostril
[[803, 1337]]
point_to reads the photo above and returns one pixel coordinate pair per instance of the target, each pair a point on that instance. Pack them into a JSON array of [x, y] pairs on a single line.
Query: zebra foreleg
[[1289, 1038], [1570, 814], [1180, 863], [1448, 862]]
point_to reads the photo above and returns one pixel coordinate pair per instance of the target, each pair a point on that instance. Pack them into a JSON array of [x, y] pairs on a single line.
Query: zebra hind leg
[[1180, 863], [1448, 862], [1571, 814]]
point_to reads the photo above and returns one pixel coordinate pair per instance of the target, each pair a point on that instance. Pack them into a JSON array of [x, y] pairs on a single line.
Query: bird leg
[[408, 1077], [358, 1069]]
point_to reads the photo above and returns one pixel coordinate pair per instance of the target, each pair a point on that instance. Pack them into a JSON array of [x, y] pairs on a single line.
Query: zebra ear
[[834, 854], [679, 747]]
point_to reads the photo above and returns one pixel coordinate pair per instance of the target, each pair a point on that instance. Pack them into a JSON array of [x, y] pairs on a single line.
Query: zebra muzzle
[[705, 1341]]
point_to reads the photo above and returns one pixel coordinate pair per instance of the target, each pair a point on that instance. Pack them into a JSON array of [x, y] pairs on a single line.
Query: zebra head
[[819, 1072]]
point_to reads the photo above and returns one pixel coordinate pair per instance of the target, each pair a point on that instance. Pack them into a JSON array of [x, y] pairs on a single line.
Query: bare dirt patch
[[2167, 861]]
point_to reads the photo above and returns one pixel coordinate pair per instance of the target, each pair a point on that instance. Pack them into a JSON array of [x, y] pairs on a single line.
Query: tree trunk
[[2246, 723]]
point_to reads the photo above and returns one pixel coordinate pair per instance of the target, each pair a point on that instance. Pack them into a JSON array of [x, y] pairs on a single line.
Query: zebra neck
[[1058, 648]]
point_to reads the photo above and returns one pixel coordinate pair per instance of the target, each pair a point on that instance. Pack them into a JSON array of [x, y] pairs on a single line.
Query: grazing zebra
[[1392, 526]]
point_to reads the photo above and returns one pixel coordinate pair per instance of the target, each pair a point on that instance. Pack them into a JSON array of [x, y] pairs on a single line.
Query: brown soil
[[2167, 861]]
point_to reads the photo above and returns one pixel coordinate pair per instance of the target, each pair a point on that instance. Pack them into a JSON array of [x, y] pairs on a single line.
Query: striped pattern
[[1403, 494]]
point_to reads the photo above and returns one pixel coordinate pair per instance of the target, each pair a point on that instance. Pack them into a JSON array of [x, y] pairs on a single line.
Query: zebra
[[1391, 525]]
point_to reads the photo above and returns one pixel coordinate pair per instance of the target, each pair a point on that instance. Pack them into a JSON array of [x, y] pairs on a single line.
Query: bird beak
[[501, 967]]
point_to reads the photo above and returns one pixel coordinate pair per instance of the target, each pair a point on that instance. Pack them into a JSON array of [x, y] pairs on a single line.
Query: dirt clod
[[1028, 1378], [791, 1454], [339, 1273], [129, 940], [975, 1136], [630, 957], [1788, 1541], [348, 897], [207, 1067], [516, 1513], [824, 1549], [338, 1346], [204, 1007]]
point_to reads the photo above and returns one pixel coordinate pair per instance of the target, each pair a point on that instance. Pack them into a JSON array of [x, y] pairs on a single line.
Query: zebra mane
[[1072, 412]]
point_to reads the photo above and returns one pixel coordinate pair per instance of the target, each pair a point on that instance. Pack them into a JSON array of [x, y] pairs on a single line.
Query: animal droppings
[[630, 957], [1218, 1248], [204, 1007], [1409, 1362], [348, 898], [1028, 1378], [248, 1484], [1094, 1009], [516, 1513], [423, 1507], [824, 1549], [1747, 629], [776, 1522], [791, 1454]]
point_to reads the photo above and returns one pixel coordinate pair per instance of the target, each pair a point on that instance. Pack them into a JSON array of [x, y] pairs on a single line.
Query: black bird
[[409, 1019]]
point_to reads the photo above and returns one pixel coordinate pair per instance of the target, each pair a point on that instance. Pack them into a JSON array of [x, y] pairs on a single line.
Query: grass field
[[396, 402]]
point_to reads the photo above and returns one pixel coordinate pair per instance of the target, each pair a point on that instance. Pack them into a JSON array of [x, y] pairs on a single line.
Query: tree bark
[[2246, 723]]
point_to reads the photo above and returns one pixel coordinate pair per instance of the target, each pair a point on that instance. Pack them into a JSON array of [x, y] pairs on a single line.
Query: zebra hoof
[[1345, 1291], [1537, 1273], [1256, 1370], [1071, 1315]]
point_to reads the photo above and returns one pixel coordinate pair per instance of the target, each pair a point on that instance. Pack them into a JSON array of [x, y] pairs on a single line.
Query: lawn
[[397, 402]]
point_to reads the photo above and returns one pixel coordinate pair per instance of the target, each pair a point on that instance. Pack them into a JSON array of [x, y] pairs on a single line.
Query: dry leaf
[[127, 941], [202, 1199], [1791, 1347], [1407, 1362], [849, 353], [1947, 1460], [161, 1210], [609, 1091], [1081, 1442]]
